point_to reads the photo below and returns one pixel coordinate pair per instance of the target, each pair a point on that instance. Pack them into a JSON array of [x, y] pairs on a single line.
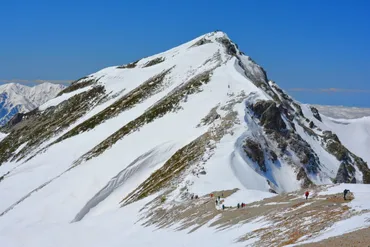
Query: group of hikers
[[192, 197], [345, 193], [220, 201]]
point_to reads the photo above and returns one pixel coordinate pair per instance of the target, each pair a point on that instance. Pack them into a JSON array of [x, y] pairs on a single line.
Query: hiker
[[223, 207], [345, 192], [196, 196], [192, 196], [219, 198], [216, 202], [307, 194], [211, 195], [238, 205]]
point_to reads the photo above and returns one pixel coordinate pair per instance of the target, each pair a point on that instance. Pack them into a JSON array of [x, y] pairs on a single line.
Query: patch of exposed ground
[[359, 238], [154, 62], [138, 95], [36, 127], [290, 216], [189, 156], [80, 83], [170, 103]]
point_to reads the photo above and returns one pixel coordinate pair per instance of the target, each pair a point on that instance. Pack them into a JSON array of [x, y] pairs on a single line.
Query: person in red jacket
[[307, 194]]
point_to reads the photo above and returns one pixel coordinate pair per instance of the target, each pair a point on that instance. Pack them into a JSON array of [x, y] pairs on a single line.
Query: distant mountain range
[[16, 98], [343, 112]]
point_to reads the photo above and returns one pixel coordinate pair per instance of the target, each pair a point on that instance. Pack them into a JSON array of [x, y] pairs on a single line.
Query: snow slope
[[196, 119], [16, 98], [354, 133]]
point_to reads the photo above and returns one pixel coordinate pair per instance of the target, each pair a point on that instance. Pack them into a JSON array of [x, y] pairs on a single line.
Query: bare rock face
[[345, 173], [269, 115], [229, 46], [301, 175], [316, 113], [254, 151], [335, 147], [304, 152]]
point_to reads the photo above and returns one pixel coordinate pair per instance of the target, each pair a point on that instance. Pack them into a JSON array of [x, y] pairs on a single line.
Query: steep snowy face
[[16, 98], [199, 118]]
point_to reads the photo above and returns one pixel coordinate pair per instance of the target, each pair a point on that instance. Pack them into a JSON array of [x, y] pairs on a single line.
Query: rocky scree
[[255, 152], [154, 62], [81, 83], [150, 87], [170, 103], [36, 127]]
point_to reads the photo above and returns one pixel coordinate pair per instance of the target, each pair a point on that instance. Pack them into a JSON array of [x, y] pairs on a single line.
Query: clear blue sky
[[302, 44]]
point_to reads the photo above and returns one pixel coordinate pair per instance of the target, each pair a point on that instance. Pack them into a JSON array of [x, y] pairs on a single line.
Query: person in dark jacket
[[307, 194], [345, 192], [223, 207], [238, 205]]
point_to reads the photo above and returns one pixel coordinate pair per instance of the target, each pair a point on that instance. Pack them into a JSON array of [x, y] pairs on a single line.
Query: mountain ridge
[[199, 118]]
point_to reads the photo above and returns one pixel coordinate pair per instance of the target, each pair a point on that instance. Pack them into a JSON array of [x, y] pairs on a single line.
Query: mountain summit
[[199, 119], [16, 98]]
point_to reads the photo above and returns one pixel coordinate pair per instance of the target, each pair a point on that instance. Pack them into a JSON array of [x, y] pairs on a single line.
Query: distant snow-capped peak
[[15, 98]]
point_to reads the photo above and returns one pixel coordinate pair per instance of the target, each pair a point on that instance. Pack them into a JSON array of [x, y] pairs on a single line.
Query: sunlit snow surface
[[40, 198]]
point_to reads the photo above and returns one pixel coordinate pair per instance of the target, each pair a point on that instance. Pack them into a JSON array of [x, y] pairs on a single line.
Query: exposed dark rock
[[77, 85], [17, 118], [328, 135], [309, 131], [281, 140], [345, 173], [154, 62], [229, 46], [305, 153], [211, 117], [128, 66], [335, 147], [299, 109], [254, 152], [363, 167], [201, 42], [293, 126], [338, 150], [301, 175], [269, 115], [273, 156], [316, 113], [282, 94], [283, 146], [312, 125]]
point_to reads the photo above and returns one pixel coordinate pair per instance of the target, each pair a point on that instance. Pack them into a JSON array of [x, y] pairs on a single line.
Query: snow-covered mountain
[[16, 98], [123, 151], [343, 112]]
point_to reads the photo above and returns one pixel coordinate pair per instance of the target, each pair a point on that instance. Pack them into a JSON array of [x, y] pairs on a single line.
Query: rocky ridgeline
[[276, 119]]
